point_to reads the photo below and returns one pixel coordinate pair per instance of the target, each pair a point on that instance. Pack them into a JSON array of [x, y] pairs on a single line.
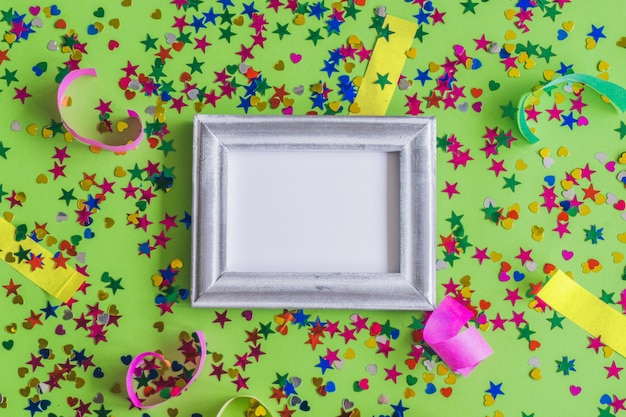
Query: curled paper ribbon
[[256, 407], [593, 315], [34, 262], [612, 91], [145, 369], [61, 103], [463, 351], [387, 61]]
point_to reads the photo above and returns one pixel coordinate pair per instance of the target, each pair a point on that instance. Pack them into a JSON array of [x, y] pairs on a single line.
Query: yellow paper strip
[[384, 68], [59, 282], [586, 310]]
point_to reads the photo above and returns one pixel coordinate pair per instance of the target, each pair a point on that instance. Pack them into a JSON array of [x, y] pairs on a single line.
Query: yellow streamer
[[60, 282], [586, 310], [387, 61]]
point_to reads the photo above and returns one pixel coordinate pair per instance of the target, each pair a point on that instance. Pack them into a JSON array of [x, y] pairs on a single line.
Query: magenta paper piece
[[67, 81], [135, 365], [463, 351]]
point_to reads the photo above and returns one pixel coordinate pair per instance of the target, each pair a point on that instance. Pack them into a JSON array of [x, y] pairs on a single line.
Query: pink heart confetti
[[610, 166], [295, 58], [567, 255], [364, 384], [582, 121], [247, 314]]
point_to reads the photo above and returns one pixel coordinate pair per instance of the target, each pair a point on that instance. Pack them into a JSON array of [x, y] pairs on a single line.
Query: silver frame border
[[413, 288]]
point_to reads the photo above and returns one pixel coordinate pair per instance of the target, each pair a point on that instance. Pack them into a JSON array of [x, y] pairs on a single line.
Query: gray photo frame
[[213, 285]]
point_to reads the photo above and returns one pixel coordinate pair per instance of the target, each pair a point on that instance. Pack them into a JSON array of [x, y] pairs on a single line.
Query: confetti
[[121, 218]]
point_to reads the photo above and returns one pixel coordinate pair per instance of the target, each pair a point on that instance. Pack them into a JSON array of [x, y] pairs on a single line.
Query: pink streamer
[[462, 352], [133, 367], [67, 81]]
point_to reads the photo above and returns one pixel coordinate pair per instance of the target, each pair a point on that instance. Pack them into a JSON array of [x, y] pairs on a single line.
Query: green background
[[114, 250]]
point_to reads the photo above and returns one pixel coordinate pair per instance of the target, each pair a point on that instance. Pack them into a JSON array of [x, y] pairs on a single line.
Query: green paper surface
[[476, 245]]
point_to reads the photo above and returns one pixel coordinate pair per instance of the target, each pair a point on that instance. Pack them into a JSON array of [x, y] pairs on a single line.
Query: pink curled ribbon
[[463, 351], [67, 81], [144, 368]]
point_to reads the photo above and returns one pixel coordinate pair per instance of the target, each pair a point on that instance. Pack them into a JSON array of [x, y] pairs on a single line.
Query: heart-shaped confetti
[[536, 374], [295, 57], [339, 98]]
